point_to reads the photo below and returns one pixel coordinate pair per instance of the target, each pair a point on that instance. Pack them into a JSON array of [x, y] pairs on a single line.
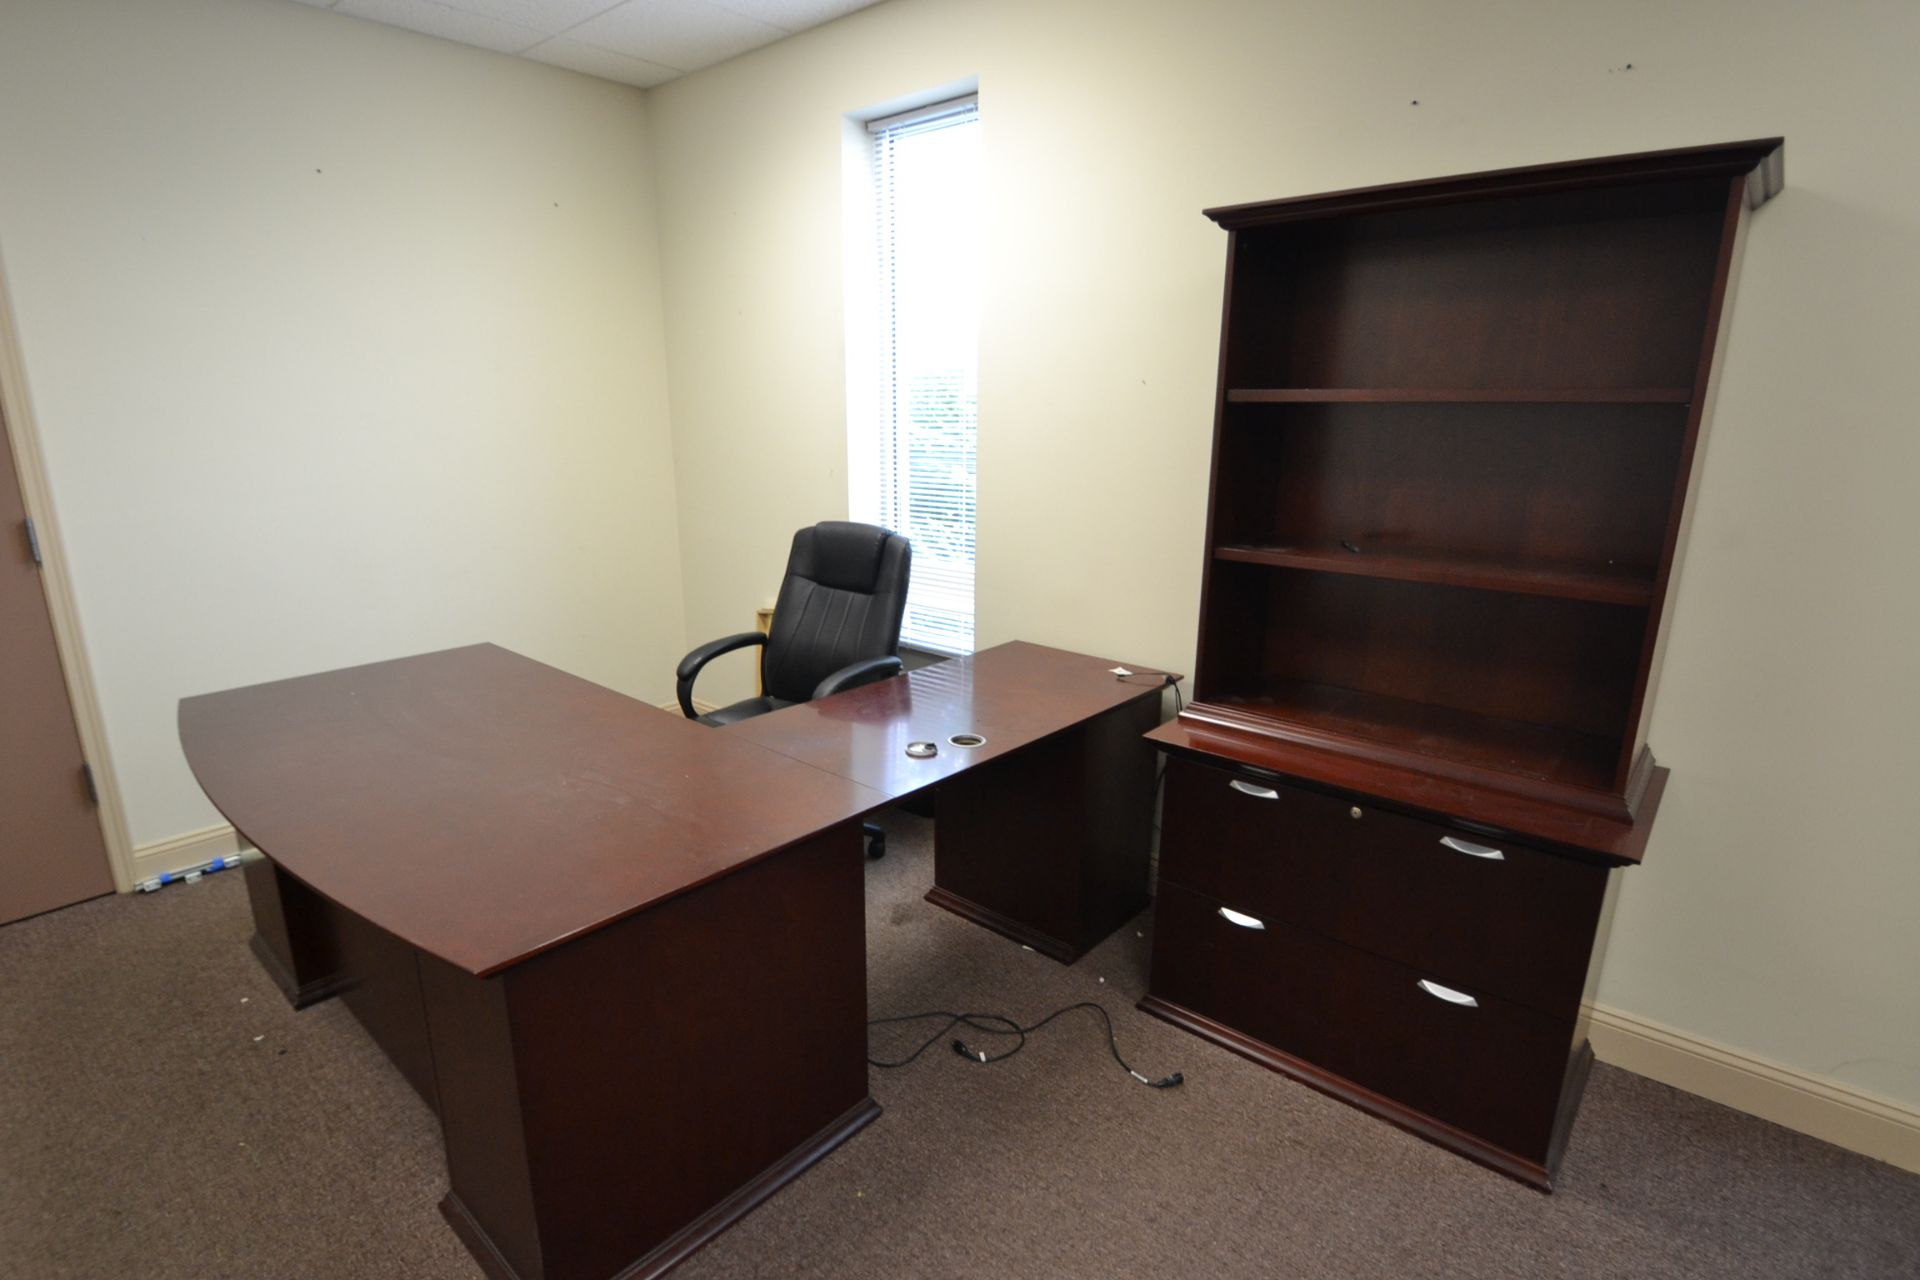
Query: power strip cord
[[995, 1024]]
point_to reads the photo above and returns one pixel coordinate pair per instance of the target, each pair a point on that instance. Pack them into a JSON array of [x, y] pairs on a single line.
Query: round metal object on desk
[[921, 750], [967, 740], [1354, 812]]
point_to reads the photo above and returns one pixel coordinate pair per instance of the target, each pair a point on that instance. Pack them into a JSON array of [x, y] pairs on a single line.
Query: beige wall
[[343, 343], [1775, 911]]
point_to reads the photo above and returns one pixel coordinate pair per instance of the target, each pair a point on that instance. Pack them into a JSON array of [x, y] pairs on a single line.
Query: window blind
[[927, 171]]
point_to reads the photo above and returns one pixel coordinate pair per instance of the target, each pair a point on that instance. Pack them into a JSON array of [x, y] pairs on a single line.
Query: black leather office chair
[[836, 626]]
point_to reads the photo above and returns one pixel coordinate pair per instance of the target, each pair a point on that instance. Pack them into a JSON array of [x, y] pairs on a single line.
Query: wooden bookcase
[[1455, 433]]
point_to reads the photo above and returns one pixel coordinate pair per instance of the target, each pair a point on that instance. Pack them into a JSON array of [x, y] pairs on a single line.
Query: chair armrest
[[859, 673], [689, 669]]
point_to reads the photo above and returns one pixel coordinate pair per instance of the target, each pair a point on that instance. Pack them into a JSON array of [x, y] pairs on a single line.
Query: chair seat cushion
[[735, 712]]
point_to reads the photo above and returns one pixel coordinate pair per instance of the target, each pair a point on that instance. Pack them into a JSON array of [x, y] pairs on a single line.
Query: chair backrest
[[841, 602]]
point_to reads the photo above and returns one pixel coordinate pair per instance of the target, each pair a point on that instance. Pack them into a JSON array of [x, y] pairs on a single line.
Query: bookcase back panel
[[1604, 288], [1563, 664], [1589, 484]]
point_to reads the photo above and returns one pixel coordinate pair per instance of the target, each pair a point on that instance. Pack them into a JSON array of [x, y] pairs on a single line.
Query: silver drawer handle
[[1257, 792], [1448, 994], [1241, 918], [1473, 850]]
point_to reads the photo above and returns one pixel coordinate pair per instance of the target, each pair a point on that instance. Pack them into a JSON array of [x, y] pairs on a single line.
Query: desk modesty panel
[[484, 807]]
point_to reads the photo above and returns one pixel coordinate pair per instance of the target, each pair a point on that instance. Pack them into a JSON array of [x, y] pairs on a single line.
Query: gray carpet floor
[[163, 1113]]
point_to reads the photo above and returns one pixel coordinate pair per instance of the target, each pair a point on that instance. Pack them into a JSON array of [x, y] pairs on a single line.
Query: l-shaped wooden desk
[[622, 955]]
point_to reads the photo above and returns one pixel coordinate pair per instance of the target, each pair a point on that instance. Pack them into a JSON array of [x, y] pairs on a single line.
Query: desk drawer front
[[1520, 924], [1459, 1054]]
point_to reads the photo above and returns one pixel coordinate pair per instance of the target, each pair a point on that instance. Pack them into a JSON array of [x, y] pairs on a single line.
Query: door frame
[[23, 434]]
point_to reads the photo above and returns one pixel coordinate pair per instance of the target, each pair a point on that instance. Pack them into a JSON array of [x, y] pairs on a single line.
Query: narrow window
[[926, 166]]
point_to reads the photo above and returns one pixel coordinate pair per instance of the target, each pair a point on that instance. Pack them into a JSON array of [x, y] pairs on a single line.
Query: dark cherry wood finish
[[1455, 434], [1382, 881], [613, 1104], [1459, 395], [1052, 849], [382, 990], [620, 954], [1568, 580], [1409, 782], [1760, 163], [1044, 829], [314, 950], [293, 935], [1438, 394], [557, 806], [1419, 1123], [1013, 695], [623, 955], [1493, 1070]]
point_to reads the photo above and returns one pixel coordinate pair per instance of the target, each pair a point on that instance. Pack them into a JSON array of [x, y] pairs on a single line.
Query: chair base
[[876, 840]]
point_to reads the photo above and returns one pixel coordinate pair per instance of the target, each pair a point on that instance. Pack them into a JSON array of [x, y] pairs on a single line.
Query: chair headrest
[[840, 554]]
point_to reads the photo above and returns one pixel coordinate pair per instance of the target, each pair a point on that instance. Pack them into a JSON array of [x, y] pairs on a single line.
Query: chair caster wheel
[[876, 848]]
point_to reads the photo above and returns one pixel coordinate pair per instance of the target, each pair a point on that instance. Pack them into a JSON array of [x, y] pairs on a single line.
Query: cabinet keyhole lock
[[1354, 812]]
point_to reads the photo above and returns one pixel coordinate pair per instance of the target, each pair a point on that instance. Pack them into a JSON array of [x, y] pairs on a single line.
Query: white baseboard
[[699, 704], [1814, 1105], [182, 852]]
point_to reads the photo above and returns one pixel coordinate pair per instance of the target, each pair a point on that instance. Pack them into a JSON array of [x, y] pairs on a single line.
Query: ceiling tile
[[685, 34], [550, 16], [794, 15], [440, 20], [318, 4], [605, 63]]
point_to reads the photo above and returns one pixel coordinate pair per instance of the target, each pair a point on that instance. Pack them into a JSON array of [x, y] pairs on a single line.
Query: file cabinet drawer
[[1268, 983], [1458, 1054], [1496, 915]]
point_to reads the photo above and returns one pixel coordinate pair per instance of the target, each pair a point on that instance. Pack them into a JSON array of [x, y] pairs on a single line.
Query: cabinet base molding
[[1005, 926], [1819, 1106], [1420, 1125], [299, 995], [1853, 1119], [691, 1238]]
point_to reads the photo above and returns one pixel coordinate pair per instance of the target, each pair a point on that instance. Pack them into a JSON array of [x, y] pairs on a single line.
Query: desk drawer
[[1520, 924], [1458, 1054]]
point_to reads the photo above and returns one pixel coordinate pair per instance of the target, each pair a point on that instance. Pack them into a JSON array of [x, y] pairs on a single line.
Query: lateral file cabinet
[[1424, 972]]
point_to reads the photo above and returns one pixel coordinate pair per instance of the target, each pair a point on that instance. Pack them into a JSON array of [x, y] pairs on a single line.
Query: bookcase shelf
[[1564, 757], [1560, 579], [1459, 395]]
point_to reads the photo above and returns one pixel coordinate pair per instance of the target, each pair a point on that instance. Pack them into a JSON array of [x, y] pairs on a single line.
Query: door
[[51, 849]]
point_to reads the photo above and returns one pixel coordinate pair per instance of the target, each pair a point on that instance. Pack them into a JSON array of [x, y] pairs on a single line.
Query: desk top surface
[[1013, 694], [484, 807]]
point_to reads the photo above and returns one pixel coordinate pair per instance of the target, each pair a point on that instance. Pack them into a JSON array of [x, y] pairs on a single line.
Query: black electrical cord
[[995, 1024], [1167, 680]]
